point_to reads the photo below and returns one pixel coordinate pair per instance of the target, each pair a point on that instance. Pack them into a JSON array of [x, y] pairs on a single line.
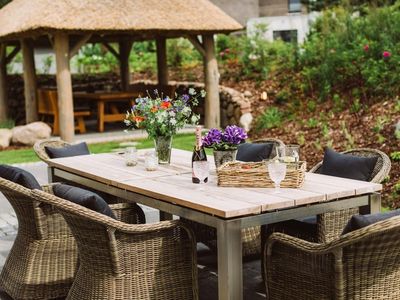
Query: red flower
[[386, 54], [139, 119], [165, 104], [366, 48]]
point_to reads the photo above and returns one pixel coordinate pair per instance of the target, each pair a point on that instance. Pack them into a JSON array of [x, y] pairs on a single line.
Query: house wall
[[298, 22], [241, 10]]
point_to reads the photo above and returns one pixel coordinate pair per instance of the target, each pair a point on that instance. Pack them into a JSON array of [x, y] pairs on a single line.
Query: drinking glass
[[277, 172], [150, 161], [293, 152], [131, 156], [201, 170]]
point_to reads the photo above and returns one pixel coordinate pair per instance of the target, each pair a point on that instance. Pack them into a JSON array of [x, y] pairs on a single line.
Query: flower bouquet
[[224, 143], [161, 117]]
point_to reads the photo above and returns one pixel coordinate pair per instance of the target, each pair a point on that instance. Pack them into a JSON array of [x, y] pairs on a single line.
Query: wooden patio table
[[102, 98], [227, 209]]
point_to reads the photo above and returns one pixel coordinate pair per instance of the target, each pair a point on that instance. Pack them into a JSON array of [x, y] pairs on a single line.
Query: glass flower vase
[[163, 145], [223, 156]]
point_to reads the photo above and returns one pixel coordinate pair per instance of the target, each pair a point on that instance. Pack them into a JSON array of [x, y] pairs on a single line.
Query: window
[[294, 6], [285, 35]]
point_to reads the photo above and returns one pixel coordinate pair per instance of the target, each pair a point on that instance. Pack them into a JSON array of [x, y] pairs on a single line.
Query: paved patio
[[207, 264]]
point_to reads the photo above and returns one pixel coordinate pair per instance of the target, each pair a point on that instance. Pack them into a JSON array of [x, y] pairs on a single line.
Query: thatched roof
[[27, 18]]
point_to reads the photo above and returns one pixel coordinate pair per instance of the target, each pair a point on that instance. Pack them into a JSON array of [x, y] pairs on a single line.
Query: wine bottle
[[199, 154]]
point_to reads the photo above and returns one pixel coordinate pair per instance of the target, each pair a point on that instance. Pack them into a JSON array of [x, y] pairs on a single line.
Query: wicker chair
[[43, 260], [363, 264], [123, 261], [251, 238], [329, 226], [39, 147]]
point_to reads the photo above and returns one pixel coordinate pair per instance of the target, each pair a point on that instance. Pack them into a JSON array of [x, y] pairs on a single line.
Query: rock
[[245, 121], [5, 137], [247, 94], [229, 110], [29, 134]]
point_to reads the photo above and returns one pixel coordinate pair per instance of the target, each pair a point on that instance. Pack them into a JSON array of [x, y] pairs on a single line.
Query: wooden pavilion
[[66, 25]]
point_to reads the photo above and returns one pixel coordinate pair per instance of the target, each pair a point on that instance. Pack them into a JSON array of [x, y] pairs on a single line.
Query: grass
[[180, 141]]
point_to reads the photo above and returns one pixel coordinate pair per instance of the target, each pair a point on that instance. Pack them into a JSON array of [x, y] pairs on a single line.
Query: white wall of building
[[299, 22]]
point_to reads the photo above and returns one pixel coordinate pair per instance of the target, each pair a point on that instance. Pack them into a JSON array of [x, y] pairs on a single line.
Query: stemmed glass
[[277, 172], [201, 170]]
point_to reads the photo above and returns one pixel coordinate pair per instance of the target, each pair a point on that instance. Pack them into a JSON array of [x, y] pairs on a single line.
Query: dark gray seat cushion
[[360, 221], [19, 176], [347, 166], [83, 197], [72, 150], [254, 152]]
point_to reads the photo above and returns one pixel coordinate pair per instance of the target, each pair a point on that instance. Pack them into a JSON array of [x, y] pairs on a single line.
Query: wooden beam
[[64, 87], [197, 44], [162, 66], [78, 45], [13, 53], [211, 76], [3, 84], [125, 48], [30, 86], [112, 50]]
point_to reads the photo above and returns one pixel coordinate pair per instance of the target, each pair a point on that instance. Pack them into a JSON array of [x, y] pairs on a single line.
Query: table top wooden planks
[[172, 183], [108, 96]]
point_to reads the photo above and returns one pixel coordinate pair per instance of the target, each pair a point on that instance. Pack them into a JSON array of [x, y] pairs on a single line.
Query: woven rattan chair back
[[39, 147], [46, 245], [128, 261], [330, 225], [363, 264]]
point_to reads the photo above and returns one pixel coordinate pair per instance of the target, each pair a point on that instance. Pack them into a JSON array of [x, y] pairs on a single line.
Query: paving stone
[[9, 218]]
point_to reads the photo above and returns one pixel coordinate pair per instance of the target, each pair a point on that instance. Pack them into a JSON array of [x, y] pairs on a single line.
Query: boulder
[[29, 134], [247, 94], [245, 121], [5, 137]]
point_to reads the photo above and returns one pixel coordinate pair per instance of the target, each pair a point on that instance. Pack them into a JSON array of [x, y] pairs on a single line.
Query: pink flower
[[222, 53], [386, 54], [366, 47], [227, 50]]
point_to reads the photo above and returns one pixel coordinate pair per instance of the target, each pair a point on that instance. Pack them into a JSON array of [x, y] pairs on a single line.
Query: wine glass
[[201, 170], [277, 172], [293, 152]]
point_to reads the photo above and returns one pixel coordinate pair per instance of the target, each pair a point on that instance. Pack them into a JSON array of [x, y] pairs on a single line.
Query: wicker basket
[[254, 174]]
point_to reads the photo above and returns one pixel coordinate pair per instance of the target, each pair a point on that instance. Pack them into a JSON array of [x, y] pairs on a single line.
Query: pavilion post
[[64, 87], [125, 47], [30, 86], [211, 76], [162, 67], [3, 85]]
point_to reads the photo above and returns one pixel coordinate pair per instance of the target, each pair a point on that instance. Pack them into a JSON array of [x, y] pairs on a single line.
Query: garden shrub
[[345, 52], [270, 118]]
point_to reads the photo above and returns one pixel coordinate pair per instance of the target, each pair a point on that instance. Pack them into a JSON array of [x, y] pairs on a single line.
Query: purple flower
[[214, 136], [185, 97], [234, 135]]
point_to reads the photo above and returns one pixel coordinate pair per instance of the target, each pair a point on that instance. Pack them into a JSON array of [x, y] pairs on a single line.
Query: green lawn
[[180, 141]]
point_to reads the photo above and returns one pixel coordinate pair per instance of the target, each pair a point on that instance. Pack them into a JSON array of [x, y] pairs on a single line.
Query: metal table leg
[[230, 278]]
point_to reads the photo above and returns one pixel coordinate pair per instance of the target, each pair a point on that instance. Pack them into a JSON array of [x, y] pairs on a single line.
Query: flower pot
[[163, 149], [221, 157]]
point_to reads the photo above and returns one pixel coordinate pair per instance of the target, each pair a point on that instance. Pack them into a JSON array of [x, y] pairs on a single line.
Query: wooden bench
[[48, 109]]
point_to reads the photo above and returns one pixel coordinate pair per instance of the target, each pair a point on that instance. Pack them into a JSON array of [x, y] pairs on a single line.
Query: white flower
[[172, 113], [194, 119], [203, 93], [253, 56], [172, 121], [186, 111], [192, 91]]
